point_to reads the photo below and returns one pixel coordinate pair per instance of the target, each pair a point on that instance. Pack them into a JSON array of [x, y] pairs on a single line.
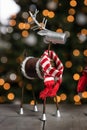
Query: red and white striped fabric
[[82, 83], [52, 75]]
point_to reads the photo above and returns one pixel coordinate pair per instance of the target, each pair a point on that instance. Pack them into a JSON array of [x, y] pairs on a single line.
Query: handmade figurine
[[48, 67]]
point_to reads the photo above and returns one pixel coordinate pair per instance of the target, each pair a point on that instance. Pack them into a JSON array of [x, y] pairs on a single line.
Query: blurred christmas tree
[[16, 36]]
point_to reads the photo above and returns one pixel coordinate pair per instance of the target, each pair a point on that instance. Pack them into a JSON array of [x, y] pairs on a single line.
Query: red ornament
[[82, 81]]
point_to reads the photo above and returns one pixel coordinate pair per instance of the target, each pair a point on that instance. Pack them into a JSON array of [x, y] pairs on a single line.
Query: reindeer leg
[[44, 110], [57, 108], [21, 105], [35, 103]]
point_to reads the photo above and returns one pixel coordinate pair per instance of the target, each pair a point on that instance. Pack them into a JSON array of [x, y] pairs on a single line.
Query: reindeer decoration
[[48, 67]]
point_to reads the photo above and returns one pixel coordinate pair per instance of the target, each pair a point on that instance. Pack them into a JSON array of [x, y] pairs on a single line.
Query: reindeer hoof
[[58, 113], [21, 111], [43, 117], [35, 108]]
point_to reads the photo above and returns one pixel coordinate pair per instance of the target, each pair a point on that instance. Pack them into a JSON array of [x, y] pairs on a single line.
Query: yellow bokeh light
[[70, 18], [71, 11], [12, 22], [6, 86], [51, 14], [85, 2], [21, 26], [84, 31], [63, 96], [73, 3], [24, 26], [11, 96], [58, 99], [2, 81], [30, 19], [85, 52], [27, 26], [76, 52], [32, 102], [45, 12], [76, 76], [59, 30], [76, 98], [68, 64], [84, 94], [25, 33], [29, 87]]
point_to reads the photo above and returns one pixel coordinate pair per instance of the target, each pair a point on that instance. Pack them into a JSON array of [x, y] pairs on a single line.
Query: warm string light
[[73, 3], [76, 76], [85, 2], [68, 64], [71, 11], [11, 96], [32, 102], [70, 18], [76, 52], [6, 86], [1, 81], [61, 97], [85, 52], [76, 99], [58, 99], [59, 30], [48, 13], [84, 31], [84, 94], [29, 87]]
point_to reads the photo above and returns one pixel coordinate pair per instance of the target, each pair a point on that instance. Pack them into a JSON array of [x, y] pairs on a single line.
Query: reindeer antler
[[38, 25], [50, 36]]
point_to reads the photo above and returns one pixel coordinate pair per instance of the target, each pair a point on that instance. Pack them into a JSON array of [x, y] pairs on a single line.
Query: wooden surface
[[73, 117]]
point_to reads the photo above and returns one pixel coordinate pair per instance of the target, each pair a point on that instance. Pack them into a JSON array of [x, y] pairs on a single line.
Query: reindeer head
[[49, 36]]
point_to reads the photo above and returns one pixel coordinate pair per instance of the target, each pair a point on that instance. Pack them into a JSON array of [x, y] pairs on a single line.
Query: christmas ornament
[[82, 83]]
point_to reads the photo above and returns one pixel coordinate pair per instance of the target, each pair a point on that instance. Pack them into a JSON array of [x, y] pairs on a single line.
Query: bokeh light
[[85, 52], [58, 99], [63, 96], [32, 102], [71, 11], [29, 87], [73, 3], [76, 52], [6, 86], [2, 81], [11, 96], [76, 98], [76, 76], [84, 94], [70, 18], [25, 33], [68, 64]]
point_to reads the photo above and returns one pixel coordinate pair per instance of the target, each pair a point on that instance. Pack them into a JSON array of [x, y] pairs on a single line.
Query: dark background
[[74, 51]]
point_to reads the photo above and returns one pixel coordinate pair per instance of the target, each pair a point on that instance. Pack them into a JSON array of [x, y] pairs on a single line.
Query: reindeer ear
[[42, 32]]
